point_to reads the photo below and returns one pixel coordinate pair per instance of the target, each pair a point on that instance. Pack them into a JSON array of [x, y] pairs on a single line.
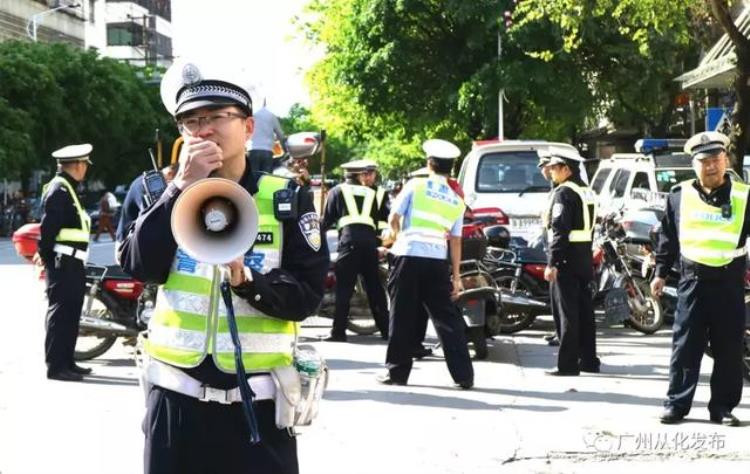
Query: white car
[[504, 175]]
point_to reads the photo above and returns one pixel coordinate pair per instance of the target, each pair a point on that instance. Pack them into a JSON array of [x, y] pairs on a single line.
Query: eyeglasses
[[194, 124]]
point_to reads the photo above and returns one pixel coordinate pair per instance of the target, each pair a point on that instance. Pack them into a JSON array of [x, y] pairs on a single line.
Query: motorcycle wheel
[[650, 320], [90, 345], [515, 321], [478, 338]]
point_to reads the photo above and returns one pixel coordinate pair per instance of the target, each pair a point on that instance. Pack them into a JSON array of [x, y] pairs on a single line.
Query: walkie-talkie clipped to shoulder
[[153, 182]]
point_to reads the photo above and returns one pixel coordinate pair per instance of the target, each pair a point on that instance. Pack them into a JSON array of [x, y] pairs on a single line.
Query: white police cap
[[72, 153], [440, 149], [562, 156], [369, 165], [190, 84], [705, 144], [354, 166]]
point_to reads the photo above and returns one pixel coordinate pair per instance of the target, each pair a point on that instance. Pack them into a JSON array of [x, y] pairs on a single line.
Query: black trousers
[[572, 306], [354, 260], [262, 160], [187, 436], [424, 282], [66, 288], [707, 310]]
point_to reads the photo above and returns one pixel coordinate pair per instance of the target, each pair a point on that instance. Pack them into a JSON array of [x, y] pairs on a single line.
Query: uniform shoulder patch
[[557, 209], [309, 224]]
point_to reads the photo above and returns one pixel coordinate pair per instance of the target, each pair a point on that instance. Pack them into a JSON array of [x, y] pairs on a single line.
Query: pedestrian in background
[[706, 226], [267, 129], [63, 250], [106, 214]]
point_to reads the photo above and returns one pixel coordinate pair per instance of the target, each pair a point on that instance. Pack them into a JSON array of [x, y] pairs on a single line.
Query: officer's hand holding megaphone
[[198, 159]]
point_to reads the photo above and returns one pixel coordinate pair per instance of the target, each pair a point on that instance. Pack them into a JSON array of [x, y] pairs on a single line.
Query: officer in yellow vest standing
[[705, 226], [354, 209], [426, 217], [63, 250], [569, 268], [199, 419]]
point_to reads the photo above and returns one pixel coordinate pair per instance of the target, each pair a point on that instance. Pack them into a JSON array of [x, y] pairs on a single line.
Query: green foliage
[[399, 71], [52, 95]]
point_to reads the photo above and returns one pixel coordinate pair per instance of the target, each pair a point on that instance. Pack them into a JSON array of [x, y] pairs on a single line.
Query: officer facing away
[[354, 209], [195, 421], [63, 250], [430, 210], [569, 268], [706, 226]]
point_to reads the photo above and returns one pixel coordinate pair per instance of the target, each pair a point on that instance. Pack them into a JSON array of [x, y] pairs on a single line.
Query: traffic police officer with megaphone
[[198, 418]]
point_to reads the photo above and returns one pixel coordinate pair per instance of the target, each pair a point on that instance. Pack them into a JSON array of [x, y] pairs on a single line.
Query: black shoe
[[465, 385], [670, 416], [335, 338], [554, 342], [591, 370], [77, 369], [387, 380], [725, 418], [421, 353], [65, 376], [549, 337], [563, 373]]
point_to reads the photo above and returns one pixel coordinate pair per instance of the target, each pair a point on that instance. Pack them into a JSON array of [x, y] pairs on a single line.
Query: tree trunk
[[740, 119]]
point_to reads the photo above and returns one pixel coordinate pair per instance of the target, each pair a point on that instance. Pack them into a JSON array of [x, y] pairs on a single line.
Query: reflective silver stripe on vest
[[184, 302], [182, 339], [720, 254], [255, 342], [430, 216], [729, 237]]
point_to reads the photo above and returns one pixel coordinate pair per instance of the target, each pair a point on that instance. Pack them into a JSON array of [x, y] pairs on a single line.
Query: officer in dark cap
[[569, 268], [706, 226], [354, 209], [201, 416], [63, 250], [426, 218]]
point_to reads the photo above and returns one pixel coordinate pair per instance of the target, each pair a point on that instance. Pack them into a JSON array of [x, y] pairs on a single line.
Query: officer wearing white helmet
[[203, 415], [63, 250], [432, 215], [569, 267], [354, 209], [706, 226]]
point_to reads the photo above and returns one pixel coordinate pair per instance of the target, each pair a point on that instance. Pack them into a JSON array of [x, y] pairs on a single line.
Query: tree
[[740, 135], [57, 95], [397, 72]]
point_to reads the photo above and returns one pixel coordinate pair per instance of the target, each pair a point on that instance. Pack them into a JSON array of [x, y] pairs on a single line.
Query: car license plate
[[521, 222]]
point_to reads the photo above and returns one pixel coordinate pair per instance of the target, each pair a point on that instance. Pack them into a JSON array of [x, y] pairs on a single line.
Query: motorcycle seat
[[115, 272]]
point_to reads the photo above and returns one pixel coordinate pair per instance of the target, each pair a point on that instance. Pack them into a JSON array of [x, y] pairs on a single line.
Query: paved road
[[516, 420]]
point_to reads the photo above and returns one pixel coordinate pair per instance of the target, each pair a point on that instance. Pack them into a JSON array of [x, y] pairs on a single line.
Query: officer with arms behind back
[[706, 226], [195, 421], [569, 268], [431, 210], [63, 250], [353, 208]]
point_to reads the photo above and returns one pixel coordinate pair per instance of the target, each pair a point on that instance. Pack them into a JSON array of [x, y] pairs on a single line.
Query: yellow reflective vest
[[190, 321], [435, 207], [706, 236], [587, 200], [71, 234], [354, 214]]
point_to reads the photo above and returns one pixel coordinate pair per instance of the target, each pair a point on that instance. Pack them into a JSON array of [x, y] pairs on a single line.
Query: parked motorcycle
[[115, 305], [627, 297]]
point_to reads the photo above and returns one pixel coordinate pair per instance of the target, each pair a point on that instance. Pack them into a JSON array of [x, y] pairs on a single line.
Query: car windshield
[[666, 178], [510, 172]]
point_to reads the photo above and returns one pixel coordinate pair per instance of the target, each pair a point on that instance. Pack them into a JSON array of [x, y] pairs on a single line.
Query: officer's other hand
[[657, 286], [198, 158], [550, 274], [237, 272], [37, 259], [458, 287]]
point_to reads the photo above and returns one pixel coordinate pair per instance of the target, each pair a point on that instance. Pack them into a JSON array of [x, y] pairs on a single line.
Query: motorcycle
[[627, 297], [115, 305]]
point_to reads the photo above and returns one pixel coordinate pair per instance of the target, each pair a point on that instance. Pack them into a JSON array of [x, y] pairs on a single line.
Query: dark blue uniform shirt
[[59, 212], [133, 204]]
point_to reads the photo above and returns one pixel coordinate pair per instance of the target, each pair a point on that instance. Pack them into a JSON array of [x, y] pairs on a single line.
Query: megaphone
[[215, 220]]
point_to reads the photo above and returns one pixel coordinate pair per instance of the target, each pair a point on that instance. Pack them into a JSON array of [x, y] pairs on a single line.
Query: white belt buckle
[[211, 394]]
